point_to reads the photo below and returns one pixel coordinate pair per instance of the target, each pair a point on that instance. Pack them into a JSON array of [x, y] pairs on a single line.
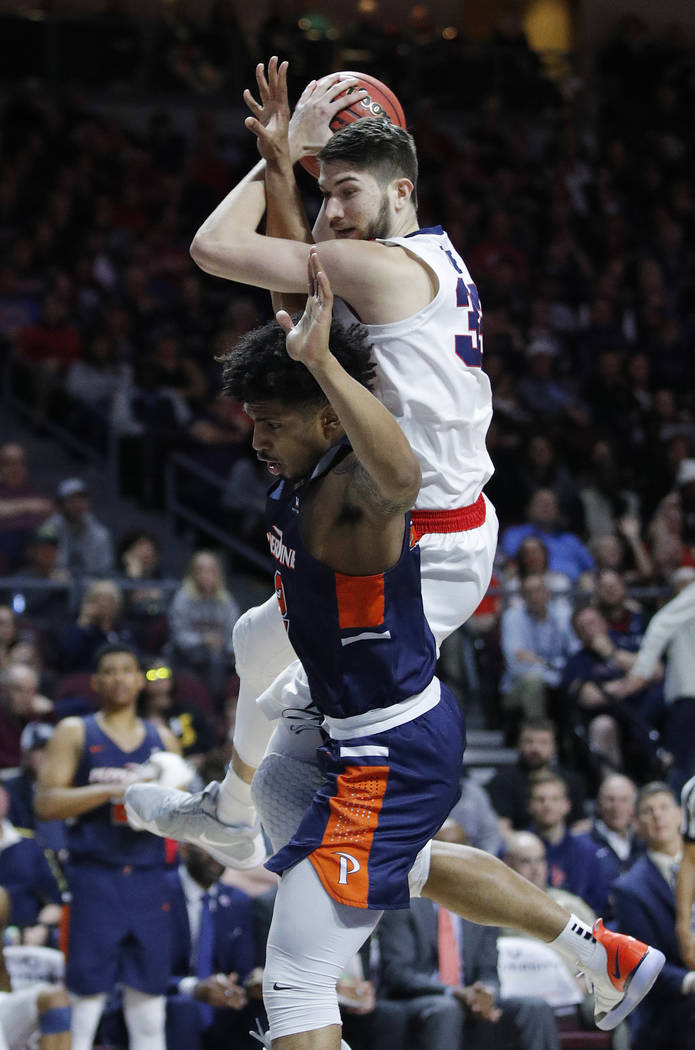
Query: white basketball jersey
[[430, 377]]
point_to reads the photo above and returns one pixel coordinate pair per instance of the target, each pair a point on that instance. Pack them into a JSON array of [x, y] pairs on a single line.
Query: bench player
[[347, 573], [422, 313], [119, 911]]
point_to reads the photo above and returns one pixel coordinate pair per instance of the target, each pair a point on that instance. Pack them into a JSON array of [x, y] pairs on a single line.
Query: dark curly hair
[[259, 368], [375, 145]]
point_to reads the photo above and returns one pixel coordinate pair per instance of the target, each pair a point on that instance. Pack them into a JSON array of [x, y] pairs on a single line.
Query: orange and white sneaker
[[630, 970]]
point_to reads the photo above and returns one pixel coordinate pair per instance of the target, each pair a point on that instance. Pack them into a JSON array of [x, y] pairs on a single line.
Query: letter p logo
[[344, 869]]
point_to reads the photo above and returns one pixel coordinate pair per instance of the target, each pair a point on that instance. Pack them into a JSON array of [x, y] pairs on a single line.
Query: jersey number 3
[[469, 345]]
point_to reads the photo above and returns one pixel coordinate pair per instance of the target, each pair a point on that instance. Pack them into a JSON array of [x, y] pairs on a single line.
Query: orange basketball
[[380, 102]]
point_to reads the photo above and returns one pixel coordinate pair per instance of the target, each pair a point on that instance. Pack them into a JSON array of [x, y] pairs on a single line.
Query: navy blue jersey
[[103, 835], [364, 641]]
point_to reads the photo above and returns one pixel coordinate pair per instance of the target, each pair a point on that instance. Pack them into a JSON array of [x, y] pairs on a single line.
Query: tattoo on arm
[[363, 493]]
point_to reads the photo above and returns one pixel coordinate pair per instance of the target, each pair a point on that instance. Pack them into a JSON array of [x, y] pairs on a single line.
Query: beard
[[380, 226]]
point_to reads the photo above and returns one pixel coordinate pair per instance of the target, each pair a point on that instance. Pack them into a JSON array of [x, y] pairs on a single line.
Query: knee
[[245, 640], [298, 995], [144, 1014]]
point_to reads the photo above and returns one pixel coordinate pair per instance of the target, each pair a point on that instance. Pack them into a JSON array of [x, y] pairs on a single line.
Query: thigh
[[144, 955], [312, 933], [95, 930], [455, 571]]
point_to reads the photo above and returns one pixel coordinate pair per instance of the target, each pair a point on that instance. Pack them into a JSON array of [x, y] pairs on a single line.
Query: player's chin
[[350, 234]]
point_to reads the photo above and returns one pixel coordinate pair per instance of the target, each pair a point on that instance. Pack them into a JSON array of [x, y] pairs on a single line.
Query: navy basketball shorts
[[119, 929], [383, 799]]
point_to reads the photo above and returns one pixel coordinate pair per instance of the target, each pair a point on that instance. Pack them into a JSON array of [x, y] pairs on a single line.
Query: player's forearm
[[376, 438], [236, 217], [61, 803], [286, 219]]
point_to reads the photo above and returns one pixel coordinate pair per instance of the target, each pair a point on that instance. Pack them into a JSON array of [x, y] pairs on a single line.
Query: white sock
[[579, 946], [234, 804], [145, 1019], [86, 1012]]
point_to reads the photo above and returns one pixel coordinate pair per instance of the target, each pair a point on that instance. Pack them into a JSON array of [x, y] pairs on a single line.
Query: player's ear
[[403, 192], [330, 424]]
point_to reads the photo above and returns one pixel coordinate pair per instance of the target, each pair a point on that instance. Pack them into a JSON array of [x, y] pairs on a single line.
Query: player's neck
[[119, 717], [405, 223]]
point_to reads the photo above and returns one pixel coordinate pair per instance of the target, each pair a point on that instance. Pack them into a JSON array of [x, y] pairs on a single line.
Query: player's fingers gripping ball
[[380, 101]]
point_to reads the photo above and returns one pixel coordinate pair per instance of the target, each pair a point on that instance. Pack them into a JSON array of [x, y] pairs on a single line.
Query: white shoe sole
[[642, 980]]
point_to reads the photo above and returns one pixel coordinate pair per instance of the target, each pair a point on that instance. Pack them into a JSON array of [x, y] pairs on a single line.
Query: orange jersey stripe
[[360, 600], [342, 859]]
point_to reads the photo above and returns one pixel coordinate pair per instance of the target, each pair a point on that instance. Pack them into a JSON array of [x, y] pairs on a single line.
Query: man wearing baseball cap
[[85, 546]]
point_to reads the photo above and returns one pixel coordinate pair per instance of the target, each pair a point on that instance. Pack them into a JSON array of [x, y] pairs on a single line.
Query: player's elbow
[[200, 251], [45, 805]]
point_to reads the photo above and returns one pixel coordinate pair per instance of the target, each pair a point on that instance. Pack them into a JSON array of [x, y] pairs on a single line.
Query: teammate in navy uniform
[[119, 913], [347, 582]]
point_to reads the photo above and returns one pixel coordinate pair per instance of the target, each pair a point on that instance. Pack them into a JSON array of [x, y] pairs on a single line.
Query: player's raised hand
[[271, 116], [321, 100], [307, 341]]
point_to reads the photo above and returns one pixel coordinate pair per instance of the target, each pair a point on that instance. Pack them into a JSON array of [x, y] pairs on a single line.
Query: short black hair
[[259, 368], [115, 647], [377, 146]]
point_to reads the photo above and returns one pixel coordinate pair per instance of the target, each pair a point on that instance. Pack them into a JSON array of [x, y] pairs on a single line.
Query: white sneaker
[[630, 971], [178, 815]]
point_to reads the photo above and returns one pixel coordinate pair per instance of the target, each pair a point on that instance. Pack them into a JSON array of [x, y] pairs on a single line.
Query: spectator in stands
[[22, 786], [20, 703], [9, 633], [160, 705], [537, 753], [613, 831], [566, 553], [201, 616], [572, 863], [443, 971], [645, 907], [672, 631], [26, 875], [46, 607], [536, 640], [624, 617], [22, 507], [97, 375], [215, 988], [49, 347], [685, 480], [604, 498], [85, 547], [611, 727], [144, 606], [532, 560], [667, 544], [97, 623]]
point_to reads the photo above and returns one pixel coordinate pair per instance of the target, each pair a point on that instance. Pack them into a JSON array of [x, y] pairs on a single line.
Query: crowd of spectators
[[588, 288]]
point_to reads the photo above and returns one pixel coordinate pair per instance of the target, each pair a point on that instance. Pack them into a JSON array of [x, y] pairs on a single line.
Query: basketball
[[381, 102]]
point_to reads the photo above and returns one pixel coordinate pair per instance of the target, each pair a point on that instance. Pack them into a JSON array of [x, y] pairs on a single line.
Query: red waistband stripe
[[461, 519]]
